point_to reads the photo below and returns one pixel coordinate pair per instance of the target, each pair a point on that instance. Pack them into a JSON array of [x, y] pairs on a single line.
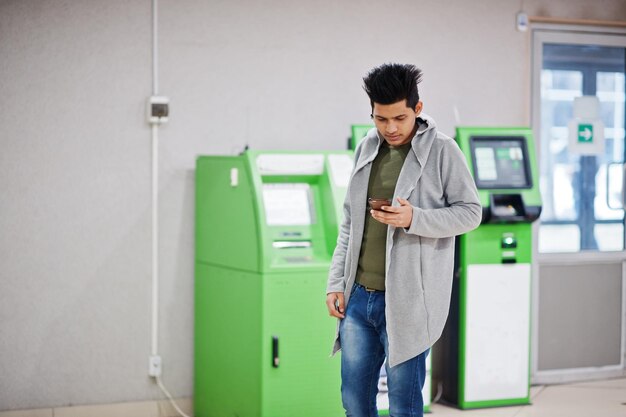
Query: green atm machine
[[266, 228], [483, 358]]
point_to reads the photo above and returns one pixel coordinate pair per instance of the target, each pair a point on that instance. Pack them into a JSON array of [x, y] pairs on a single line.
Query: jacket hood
[[421, 142]]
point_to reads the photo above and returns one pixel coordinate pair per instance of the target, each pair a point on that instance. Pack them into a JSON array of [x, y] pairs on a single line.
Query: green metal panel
[[486, 244], [358, 133], [226, 222], [227, 352], [333, 197], [307, 380], [237, 314]]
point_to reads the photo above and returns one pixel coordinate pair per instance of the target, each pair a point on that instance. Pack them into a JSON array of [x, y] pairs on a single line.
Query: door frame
[[575, 35]]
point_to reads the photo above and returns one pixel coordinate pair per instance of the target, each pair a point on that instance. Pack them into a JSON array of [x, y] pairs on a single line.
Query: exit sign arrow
[[585, 133], [586, 136]]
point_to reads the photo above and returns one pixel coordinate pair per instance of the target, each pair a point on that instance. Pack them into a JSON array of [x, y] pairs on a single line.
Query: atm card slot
[[291, 244]]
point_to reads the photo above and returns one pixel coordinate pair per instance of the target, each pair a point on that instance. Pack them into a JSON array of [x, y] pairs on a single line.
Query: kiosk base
[[261, 348]]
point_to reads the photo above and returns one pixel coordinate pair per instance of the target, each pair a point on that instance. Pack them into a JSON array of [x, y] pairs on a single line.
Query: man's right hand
[[335, 304]]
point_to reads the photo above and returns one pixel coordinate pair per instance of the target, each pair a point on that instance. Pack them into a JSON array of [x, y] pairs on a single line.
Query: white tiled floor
[[605, 398], [586, 399], [161, 408]]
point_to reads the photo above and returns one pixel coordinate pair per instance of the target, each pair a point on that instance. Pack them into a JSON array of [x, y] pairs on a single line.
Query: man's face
[[396, 122]]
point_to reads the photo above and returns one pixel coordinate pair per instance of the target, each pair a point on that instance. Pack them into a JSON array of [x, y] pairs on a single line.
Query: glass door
[[582, 209], [579, 287]]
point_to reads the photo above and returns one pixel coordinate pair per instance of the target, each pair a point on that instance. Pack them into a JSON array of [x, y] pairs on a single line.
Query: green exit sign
[[585, 133], [586, 136]]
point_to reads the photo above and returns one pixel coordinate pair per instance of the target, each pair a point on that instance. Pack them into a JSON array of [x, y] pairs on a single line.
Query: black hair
[[390, 83]]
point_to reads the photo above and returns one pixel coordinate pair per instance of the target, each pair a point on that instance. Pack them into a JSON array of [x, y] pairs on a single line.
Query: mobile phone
[[378, 203]]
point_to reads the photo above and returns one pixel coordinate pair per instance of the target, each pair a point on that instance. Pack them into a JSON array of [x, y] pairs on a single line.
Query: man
[[391, 275]]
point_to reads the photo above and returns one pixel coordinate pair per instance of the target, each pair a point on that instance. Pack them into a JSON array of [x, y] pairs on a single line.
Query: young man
[[391, 275]]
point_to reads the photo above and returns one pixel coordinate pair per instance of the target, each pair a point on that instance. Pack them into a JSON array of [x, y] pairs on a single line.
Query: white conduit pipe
[[155, 210], [155, 194], [155, 239]]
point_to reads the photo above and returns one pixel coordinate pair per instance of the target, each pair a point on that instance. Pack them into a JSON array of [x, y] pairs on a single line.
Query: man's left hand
[[395, 216]]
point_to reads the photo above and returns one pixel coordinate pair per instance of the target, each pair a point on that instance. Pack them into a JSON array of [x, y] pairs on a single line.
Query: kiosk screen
[[287, 204], [500, 162]]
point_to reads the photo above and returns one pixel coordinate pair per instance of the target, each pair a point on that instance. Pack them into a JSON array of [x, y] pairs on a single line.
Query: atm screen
[[287, 204], [500, 162]]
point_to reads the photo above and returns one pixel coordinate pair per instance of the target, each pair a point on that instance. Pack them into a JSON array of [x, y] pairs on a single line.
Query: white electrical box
[[521, 21], [158, 109], [154, 367]]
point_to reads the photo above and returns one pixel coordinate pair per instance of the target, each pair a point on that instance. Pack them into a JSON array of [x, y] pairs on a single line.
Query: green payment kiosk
[[266, 228], [483, 358]]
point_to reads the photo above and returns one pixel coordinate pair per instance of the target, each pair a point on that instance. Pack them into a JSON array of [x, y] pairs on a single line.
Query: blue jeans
[[364, 347]]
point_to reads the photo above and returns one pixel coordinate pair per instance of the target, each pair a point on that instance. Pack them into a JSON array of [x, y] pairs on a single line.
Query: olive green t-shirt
[[382, 184]]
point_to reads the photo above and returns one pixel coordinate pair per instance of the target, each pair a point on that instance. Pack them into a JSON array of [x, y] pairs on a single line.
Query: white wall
[[75, 161]]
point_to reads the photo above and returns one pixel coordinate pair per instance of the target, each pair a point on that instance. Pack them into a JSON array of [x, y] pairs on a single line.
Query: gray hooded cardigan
[[419, 259]]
